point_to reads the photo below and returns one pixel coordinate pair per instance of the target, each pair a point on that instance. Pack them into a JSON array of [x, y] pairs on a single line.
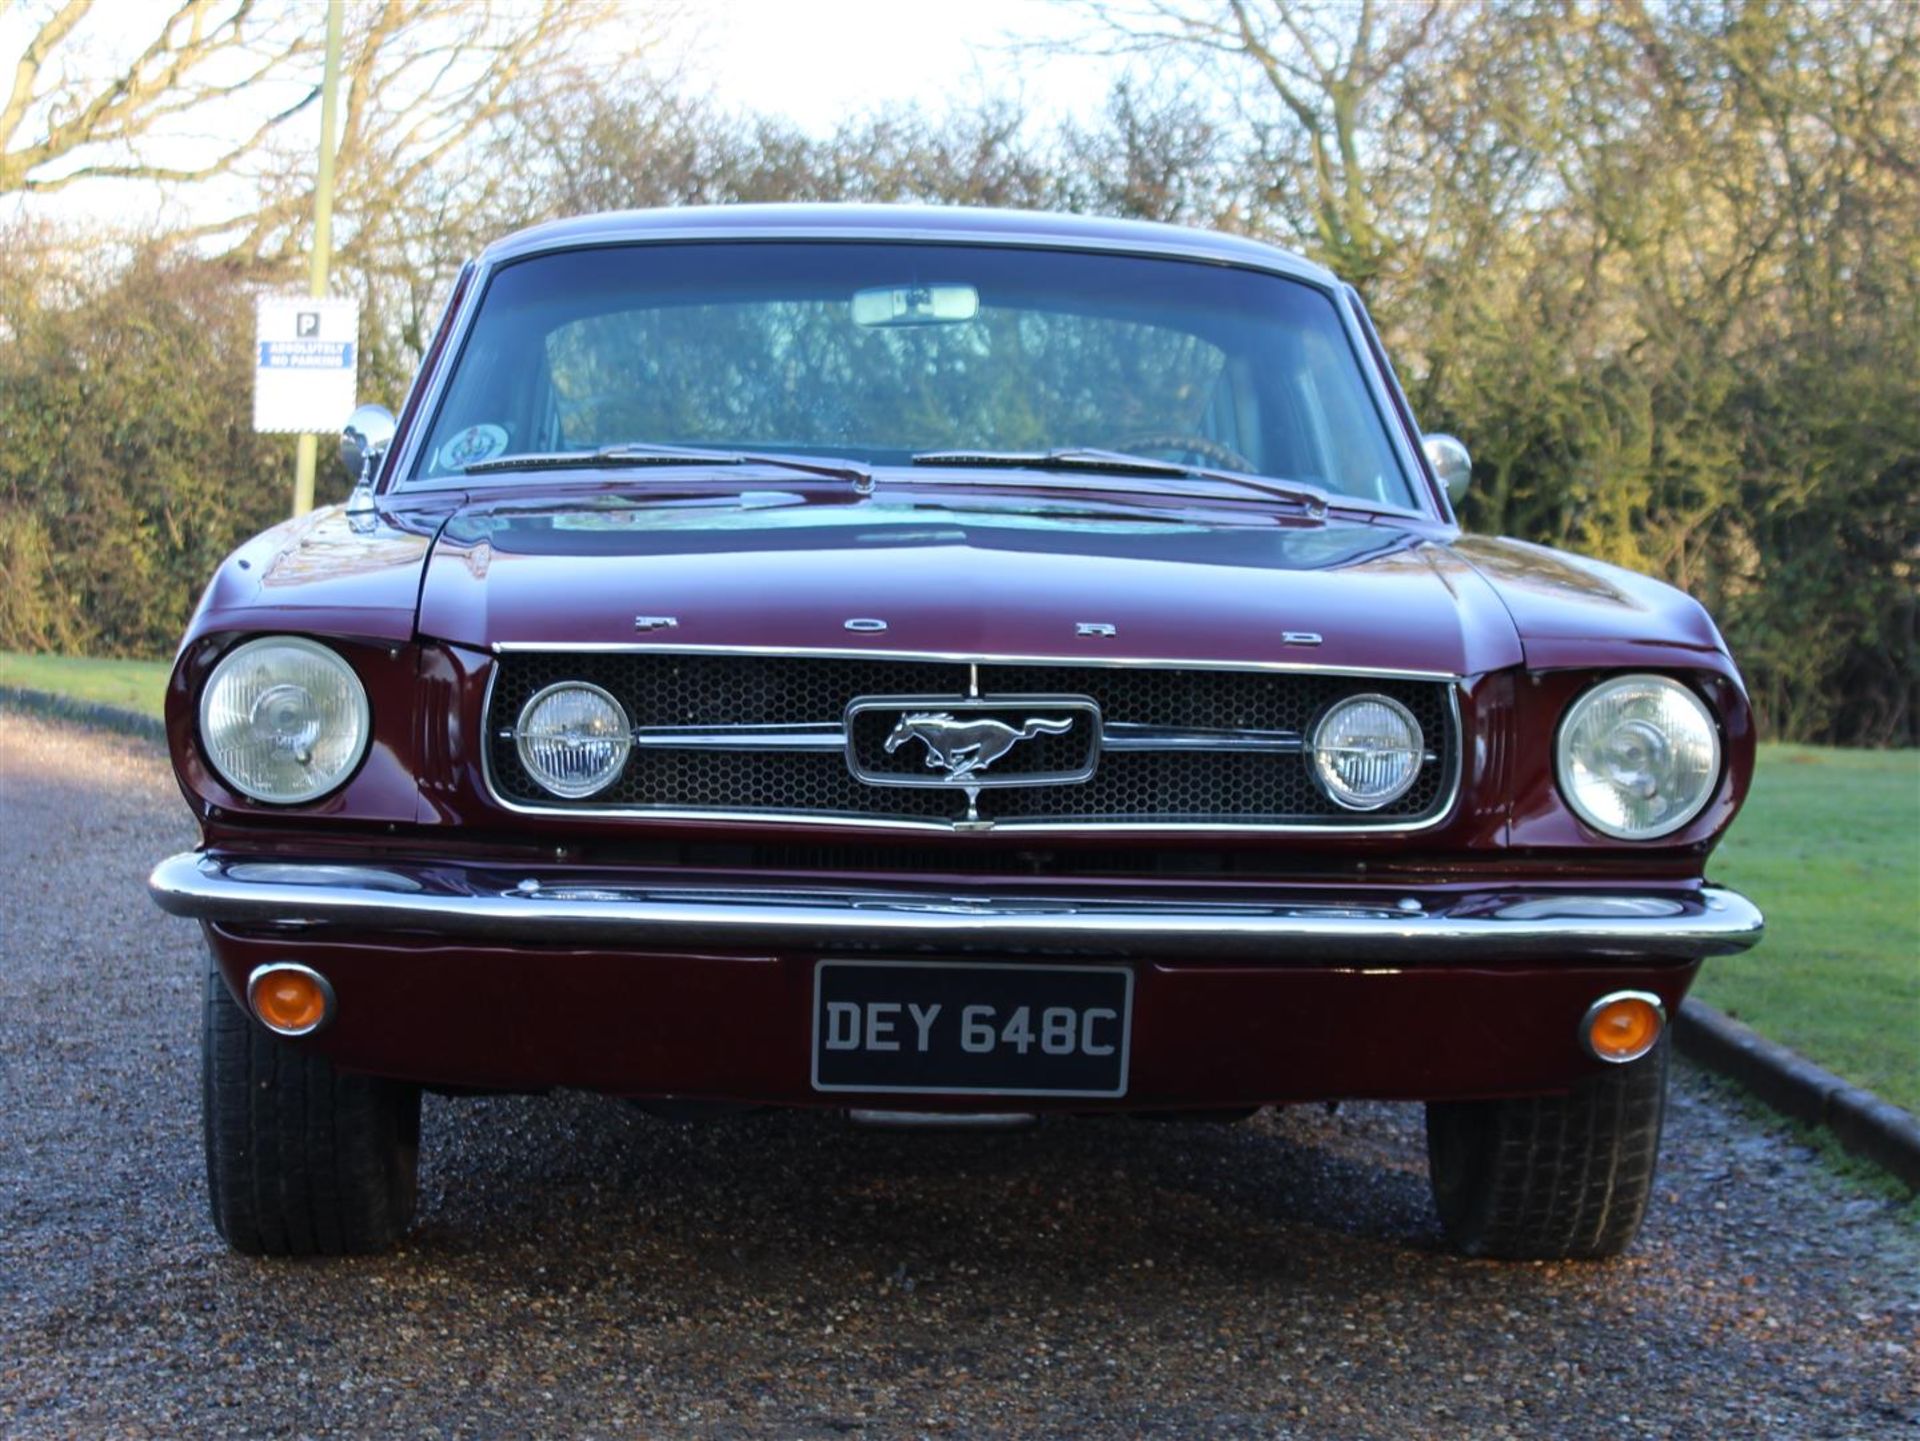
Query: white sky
[[818, 62]]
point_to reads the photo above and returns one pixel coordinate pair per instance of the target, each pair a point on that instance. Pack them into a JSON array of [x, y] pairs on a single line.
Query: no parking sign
[[305, 362]]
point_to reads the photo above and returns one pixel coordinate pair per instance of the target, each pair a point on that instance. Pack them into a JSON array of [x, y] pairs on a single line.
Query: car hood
[[1571, 611], [1358, 593], [323, 573]]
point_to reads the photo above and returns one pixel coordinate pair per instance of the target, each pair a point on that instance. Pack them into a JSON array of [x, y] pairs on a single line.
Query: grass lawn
[[135, 684], [1829, 847]]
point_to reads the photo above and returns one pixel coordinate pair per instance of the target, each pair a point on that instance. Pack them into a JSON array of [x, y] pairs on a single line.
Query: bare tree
[[69, 117], [215, 105], [1319, 84], [213, 85], [427, 85]]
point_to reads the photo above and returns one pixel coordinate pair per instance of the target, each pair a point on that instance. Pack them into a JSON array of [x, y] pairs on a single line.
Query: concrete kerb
[[1863, 1123], [86, 712]]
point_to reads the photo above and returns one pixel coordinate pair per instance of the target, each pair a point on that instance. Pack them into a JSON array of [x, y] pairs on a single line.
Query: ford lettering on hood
[[1042, 582]]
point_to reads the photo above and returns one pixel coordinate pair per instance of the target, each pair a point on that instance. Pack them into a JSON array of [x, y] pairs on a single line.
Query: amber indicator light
[[1623, 1028], [289, 1000]]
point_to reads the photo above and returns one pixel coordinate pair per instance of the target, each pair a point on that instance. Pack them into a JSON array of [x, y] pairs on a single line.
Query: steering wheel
[[1182, 442]]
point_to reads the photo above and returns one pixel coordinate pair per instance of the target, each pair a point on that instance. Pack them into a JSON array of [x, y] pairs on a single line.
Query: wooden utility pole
[[322, 233]]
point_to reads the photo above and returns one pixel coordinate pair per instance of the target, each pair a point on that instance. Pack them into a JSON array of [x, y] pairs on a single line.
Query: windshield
[[878, 352]]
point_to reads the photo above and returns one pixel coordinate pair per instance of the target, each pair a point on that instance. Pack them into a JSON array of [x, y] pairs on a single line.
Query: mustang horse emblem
[[964, 748]]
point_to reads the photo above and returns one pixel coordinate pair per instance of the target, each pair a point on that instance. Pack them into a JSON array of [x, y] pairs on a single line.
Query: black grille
[[665, 689]]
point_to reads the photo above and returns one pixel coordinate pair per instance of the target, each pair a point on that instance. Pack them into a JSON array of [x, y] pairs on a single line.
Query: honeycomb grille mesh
[[667, 689]]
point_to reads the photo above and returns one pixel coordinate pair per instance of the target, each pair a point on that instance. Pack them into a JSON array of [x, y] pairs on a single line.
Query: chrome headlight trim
[[542, 775], [1328, 779], [1565, 759], [354, 695]]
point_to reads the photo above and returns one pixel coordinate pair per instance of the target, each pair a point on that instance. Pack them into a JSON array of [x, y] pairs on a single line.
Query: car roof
[[950, 224]]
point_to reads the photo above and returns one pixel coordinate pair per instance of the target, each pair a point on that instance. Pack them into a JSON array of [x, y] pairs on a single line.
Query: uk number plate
[[990, 1029]]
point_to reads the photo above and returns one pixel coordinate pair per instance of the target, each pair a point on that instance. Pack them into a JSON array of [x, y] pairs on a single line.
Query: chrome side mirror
[[364, 439], [1450, 463]]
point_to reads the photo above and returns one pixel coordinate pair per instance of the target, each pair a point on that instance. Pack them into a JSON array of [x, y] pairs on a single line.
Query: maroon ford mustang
[[948, 665]]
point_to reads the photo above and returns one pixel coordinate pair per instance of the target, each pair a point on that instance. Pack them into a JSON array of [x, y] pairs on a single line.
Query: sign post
[[322, 251]]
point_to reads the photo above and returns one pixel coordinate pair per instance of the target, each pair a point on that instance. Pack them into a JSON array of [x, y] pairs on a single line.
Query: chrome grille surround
[[1170, 724]]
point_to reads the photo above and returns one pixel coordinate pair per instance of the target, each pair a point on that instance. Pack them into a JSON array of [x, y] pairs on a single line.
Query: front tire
[[1550, 1177], [302, 1159]]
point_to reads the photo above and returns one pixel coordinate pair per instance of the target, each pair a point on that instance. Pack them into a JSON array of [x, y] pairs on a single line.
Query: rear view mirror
[[891, 305]]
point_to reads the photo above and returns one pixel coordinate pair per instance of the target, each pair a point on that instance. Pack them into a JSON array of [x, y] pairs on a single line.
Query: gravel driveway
[[581, 1269]]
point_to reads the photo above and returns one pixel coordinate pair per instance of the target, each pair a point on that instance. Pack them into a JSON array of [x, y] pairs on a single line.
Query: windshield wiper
[[855, 474], [1115, 462], [859, 476], [608, 456]]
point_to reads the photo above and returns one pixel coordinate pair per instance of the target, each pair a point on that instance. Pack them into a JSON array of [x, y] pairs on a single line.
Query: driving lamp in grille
[[283, 720], [1367, 752], [1638, 756], [573, 738]]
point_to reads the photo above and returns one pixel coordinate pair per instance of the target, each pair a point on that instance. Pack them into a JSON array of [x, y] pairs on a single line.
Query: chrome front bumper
[[491, 905]]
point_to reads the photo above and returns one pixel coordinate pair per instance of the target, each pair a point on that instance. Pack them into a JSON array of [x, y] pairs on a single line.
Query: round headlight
[[1367, 751], [283, 719], [1638, 756], [573, 738]]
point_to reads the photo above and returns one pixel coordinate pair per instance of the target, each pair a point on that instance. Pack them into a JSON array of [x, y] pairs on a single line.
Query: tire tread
[[302, 1159], [1550, 1177]]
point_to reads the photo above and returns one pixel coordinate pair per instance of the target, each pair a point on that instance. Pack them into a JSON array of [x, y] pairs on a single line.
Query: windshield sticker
[[471, 446]]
